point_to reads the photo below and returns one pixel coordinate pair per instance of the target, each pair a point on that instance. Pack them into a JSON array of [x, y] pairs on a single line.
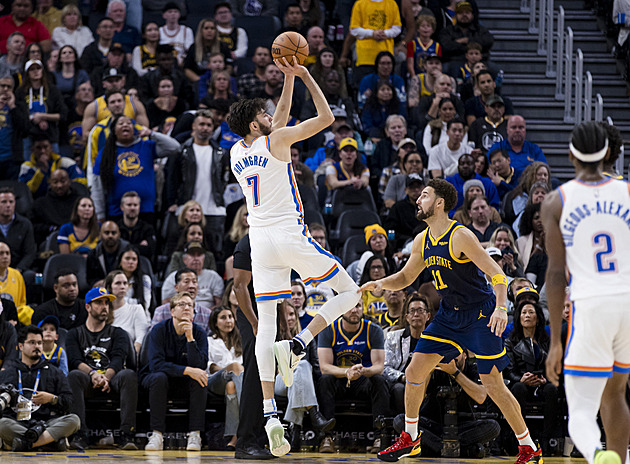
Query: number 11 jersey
[[595, 227]]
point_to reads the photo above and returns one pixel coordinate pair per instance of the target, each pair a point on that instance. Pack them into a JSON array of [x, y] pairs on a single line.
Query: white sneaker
[[156, 442], [194, 442], [287, 361], [278, 445]]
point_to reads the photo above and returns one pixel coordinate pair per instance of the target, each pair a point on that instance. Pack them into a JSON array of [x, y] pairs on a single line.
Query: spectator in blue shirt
[[178, 357], [522, 152], [465, 172]]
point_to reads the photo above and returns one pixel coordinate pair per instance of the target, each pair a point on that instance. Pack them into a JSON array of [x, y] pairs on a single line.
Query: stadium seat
[[351, 222], [353, 248], [349, 198], [70, 261]]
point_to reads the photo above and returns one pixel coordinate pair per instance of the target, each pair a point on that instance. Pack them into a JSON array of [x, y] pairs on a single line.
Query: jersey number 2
[[252, 181], [603, 258], [437, 280]]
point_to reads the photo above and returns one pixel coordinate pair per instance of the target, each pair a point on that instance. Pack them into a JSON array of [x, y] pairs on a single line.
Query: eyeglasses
[[416, 311], [184, 305], [378, 266]]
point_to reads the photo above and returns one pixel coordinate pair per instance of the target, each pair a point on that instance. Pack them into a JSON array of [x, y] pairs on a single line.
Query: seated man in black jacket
[[66, 306], [96, 359], [178, 357], [47, 419]]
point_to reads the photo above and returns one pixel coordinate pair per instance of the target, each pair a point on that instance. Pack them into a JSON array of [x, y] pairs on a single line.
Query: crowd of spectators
[[114, 150]]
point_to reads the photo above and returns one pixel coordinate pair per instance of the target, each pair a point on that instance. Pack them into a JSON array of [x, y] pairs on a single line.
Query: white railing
[[579, 77], [559, 54], [524, 6], [588, 96], [545, 28], [599, 108], [567, 92], [533, 27]]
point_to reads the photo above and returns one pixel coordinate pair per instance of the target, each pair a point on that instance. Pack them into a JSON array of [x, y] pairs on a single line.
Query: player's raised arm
[[556, 280], [407, 275], [283, 108]]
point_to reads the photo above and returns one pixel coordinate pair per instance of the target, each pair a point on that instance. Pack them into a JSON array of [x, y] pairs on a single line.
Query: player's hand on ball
[[371, 286], [498, 321], [290, 66]]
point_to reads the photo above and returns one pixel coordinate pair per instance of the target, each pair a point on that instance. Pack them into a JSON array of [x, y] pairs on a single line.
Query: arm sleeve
[[63, 392], [198, 350], [324, 339], [136, 62], [165, 145], [157, 354], [141, 325], [377, 338], [73, 349], [120, 349]]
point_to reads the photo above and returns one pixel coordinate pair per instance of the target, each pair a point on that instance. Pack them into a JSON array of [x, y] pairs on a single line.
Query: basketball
[[290, 44]]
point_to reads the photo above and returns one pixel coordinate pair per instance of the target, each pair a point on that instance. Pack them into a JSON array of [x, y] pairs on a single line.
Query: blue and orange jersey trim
[[323, 278], [270, 296], [621, 368], [588, 371], [294, 194]]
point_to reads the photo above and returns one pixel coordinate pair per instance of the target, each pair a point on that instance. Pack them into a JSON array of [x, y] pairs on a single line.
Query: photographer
[[43, 402], [445, 391]]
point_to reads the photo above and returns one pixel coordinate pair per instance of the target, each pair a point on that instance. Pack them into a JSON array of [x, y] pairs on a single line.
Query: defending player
[[280, 240], [469, 317], [587, 231]]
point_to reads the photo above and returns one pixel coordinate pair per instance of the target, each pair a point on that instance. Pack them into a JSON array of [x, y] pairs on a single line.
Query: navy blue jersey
[[355, 348], [459, 281]]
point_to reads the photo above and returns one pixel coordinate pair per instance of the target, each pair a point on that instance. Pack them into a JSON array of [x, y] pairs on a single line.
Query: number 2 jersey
[[595, 226], [459, 281], [268, 184]]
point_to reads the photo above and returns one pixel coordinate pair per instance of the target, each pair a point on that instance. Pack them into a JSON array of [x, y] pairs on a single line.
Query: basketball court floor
[[207, 457]]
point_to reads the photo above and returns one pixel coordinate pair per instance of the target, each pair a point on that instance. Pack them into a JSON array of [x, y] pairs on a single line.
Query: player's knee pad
[[342, 282], [264, 340]]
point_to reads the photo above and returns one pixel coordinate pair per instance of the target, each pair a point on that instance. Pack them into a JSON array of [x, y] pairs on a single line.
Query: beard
[[424, 215], [265, 130]]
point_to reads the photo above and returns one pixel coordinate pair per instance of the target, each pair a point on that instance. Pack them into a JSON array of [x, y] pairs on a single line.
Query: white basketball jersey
[[595, 226], [269, 185]]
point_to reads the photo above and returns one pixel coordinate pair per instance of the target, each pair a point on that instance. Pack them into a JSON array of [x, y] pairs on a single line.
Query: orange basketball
[[290, 44]]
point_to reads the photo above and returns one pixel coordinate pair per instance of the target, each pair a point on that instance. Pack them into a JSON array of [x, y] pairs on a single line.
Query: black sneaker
[[128, 441], [79, 442], [20, 444]]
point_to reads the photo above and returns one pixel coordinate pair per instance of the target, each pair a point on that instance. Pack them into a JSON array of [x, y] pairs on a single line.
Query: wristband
[[499, 279], [92, 372], [55, 400], [457, 372], [500, 308]]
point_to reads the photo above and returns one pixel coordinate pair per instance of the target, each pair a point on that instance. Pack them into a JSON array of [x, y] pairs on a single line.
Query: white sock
[[411, 427], [269, 408], [584, 397], [304, 337], [525, 439]]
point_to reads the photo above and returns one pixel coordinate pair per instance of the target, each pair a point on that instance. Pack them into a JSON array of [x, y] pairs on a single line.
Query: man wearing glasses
[[178, 356]]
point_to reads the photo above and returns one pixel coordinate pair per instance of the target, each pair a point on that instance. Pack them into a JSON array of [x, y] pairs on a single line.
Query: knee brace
[[264, 340]]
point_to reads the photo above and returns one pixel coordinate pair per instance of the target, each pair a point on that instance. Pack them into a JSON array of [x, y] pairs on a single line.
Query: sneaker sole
[[391, 458], [278, 445], [129, 447], [607, 457], [286, 373]]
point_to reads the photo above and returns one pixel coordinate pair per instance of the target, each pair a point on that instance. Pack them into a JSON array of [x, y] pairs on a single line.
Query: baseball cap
[[433, 56], [406, 141], [461, 6], [171, 6], [339, 112], [495, 99], [192, 246], [116, 47], [50, 319], [413, 178], [348, 141], [494, 251], [526, 293], [30, 63], [111, 72], [98, 293]]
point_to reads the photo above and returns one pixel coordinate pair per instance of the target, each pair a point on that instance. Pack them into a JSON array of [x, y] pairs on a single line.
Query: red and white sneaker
[[526, 454], [403, 447]]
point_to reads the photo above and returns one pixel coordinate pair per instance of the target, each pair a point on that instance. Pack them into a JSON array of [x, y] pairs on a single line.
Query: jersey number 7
[[254, 184]]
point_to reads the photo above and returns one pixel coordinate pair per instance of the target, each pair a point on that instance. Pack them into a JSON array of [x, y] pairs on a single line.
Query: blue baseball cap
[[50, 319], [98, 293]]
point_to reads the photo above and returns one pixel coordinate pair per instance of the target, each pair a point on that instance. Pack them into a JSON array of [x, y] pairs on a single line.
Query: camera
[[8, 396], [450, 435], [507, 251]]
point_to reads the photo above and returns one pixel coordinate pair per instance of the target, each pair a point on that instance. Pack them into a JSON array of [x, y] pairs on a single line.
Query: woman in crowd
[[80, 235], [481, 164], [140, 285], [387, 149], [537, 193], [376, 267], [239, 229], [191, 212], [514, 202], [301, 395], [144, 57], [43, 101], [395, 189], [193, 232], [527, 348], [68, 74], [435, 131], [126, 163], [378, 107], [532, 239], [206, 43], [225, 364], [384, 64], [473, 188], [72, 31], [127, 315], [401, 342], [378, 244], [220, 86], [349, 170], [503, 239], [327, 60], [165, 105]]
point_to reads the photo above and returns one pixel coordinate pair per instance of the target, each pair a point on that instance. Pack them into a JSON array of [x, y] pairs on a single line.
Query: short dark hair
[[474, 46], [455, 120], [164, 48], [204, 114], [501, 151], [445, 190], [244, 112], [106, 18], [29, 329], [221, 5], [479, 197], [482, 72], [109, 93], [185, 270], [7, 189], [64, 271]]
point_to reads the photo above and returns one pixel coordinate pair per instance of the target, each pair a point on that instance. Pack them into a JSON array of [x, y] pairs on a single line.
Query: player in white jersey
[[280, 240], [587, 233]]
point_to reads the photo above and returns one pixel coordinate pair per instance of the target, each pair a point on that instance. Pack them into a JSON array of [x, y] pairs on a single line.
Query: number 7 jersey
[[268, 184], [595, 227]]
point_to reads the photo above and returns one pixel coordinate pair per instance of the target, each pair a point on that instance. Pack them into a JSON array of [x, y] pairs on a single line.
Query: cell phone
[[538, 372]]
